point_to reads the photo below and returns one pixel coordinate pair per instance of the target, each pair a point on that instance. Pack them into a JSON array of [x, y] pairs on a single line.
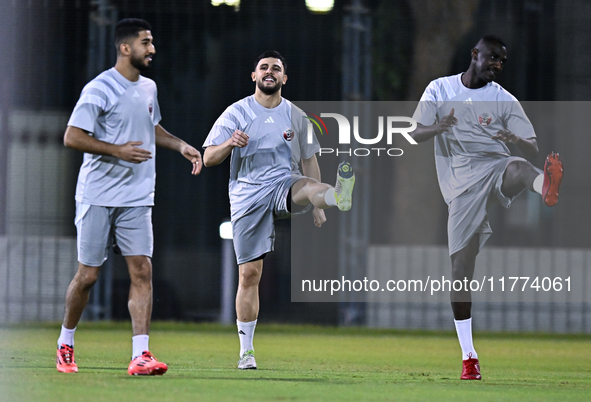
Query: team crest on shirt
[[288, 134], [484, 119]]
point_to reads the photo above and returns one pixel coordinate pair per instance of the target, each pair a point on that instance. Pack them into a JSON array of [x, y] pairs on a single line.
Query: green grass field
[[295, 363]]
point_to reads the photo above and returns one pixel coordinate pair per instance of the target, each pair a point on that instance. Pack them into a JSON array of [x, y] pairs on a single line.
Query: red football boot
[[471, 369], [146, 364], [552, 178], [65, 361]]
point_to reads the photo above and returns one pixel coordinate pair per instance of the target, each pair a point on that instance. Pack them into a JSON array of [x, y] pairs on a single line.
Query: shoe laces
[[470, 366], [147, 355], [67, 353]]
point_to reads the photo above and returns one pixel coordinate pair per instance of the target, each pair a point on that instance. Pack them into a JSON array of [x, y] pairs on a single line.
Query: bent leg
[[310, 191], [247, 296], [462, 265], [140, 293], [78, 293], [518, 176]]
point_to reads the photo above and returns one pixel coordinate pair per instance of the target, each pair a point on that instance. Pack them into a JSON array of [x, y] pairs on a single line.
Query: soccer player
[[116, 124], [267, 137], [472, 118]]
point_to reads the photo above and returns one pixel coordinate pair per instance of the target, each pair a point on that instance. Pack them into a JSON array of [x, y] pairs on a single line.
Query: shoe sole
[[159, 371], [152, 372], [347, 184], [65, 370], [553, 170]]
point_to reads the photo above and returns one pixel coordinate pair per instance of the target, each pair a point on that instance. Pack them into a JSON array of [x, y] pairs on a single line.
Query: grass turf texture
[[295, 363]]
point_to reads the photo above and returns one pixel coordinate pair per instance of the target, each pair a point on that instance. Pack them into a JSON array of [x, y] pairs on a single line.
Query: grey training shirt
[[464, 155], [277, 142], [116, 110]]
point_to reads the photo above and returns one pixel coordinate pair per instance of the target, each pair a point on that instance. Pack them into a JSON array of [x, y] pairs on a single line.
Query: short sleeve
[[156, 116], [90, 106], [426, 111], [222, 129], [517, 121], [307, 140]]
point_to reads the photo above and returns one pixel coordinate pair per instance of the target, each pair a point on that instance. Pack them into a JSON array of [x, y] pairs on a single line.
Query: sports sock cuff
[[140, 344], [464, 331], [467, 320], [66, 336], [539, 183], [330, 197], [246, 334], [246, 324]]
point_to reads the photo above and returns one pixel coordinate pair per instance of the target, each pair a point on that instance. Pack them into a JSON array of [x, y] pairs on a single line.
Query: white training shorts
[[468, 212], [254, 231]]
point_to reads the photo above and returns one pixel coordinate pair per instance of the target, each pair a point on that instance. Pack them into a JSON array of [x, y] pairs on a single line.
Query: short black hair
[[490, 38], [271, 53], [129, 27]]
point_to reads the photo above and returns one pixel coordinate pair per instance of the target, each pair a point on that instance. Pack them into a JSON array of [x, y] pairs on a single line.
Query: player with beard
[[267, 138], [116, 124], [472, 118]]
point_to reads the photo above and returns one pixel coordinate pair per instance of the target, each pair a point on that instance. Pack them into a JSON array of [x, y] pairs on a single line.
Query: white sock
[[245, 334], [140, 344], [539, 183], [330, 197], [66, 336], [464, 330]]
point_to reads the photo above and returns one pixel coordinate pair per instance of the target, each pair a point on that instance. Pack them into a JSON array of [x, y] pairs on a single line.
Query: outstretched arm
[[80, 140], [529, 146], [424, 133], [215, 154], [167, 140], [311, 169]]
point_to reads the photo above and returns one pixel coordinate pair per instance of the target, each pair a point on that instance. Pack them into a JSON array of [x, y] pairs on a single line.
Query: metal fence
[[38, 248], [558, 301]]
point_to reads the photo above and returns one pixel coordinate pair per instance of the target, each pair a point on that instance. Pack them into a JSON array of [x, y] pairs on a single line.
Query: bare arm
[[424, 133], [167, 140], [529, 146], [80, 140], [216, 154], [311, 169]]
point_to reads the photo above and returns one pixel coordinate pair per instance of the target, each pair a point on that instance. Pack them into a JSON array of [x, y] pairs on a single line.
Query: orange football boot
[[65, 361], [146, 364]]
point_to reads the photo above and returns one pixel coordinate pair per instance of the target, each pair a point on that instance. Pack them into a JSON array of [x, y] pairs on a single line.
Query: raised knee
[[513, 169]]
